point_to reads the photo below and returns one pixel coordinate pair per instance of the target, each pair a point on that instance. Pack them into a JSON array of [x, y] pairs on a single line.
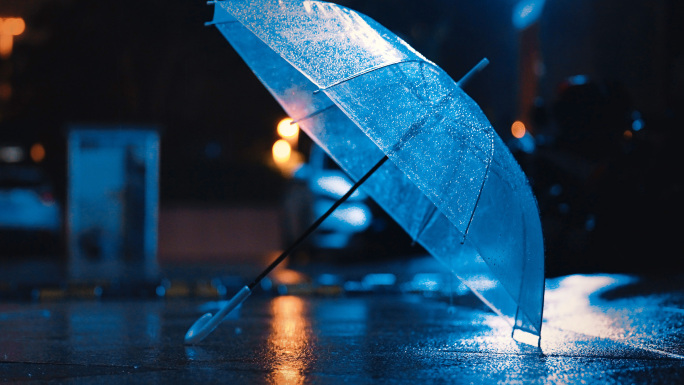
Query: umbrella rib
[[414, 131], [366, 71], [311, 115], [479, 195], [426, 219]]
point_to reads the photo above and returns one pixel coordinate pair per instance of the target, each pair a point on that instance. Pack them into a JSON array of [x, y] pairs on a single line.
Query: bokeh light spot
[[281, 151], [288, 129], [518, 129]]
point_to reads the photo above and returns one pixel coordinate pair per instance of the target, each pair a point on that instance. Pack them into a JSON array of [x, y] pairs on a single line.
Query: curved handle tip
[[195, 333], [207, 323]]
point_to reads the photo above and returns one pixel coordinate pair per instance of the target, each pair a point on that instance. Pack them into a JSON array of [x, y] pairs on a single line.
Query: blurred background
[[136, 111]]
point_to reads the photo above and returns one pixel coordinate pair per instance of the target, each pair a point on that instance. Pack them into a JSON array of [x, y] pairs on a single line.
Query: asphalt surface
[[302, 329]]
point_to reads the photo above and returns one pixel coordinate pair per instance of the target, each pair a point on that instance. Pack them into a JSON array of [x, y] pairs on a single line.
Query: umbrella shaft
[[315, 225]]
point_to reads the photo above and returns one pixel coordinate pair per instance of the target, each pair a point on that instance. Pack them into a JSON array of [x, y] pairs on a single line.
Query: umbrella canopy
[[362, 93]]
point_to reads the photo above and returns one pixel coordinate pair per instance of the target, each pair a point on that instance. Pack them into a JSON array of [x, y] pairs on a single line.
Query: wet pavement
[[597, 329]]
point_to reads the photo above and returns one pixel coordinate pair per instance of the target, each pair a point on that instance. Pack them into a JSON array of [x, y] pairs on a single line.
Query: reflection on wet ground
[[290, 343], [597, 329]]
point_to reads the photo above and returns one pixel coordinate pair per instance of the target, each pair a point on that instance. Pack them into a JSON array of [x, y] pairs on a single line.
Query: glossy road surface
[[598, 329]]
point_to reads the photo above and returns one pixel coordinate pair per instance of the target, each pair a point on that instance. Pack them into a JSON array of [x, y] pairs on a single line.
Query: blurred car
[[358, 230], [30, 217]]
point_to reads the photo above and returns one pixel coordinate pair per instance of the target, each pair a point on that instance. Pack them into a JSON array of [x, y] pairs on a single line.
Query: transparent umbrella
[[364, 95]]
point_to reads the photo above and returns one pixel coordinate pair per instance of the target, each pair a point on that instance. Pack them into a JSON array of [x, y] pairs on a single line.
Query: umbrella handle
[[207, 323]]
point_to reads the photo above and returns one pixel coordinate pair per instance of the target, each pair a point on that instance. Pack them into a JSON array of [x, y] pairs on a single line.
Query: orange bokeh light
[[37, 152], [288, 129], [518, 129], [281, 151], [12, 26], [9, 27]]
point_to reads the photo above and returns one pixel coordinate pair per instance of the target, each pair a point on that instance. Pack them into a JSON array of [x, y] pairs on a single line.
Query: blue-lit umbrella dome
[[360, 92]]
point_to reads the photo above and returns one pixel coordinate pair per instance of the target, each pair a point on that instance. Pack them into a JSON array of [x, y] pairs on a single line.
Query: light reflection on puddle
[[290, 340], [570, 306]]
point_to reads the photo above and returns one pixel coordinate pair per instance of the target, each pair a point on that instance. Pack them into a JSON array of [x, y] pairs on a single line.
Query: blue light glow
[[334, 185], [426, 282], [379, 279], [348, 218], [328, 279], [578, 80], [22, 208], [355, 216], [481, 283], [266, 284], [527, 144], [527, 12], [573, 298], [637, 125], [333, 240], [354, 286]]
